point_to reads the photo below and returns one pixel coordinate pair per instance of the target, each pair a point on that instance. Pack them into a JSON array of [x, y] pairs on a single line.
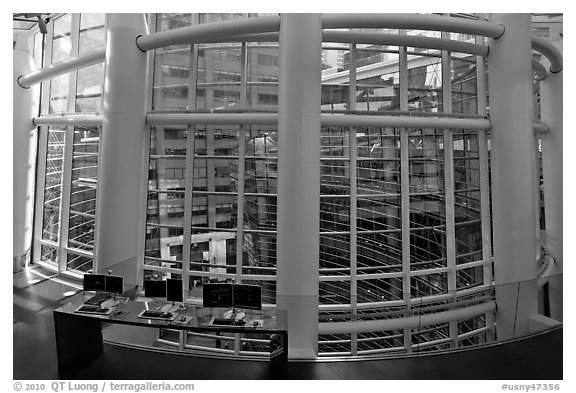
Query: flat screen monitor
[[114, 284], [155, 288], [94, 282], [174, 290], [248, 296], [217, 295]]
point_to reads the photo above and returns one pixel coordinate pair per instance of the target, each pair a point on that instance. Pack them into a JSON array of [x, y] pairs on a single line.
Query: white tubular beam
[[169, 119], [70, 64], [550, 52], [398, 121], [406, 322], [69, 120], [540, 127], [208, 32], [361, 37], [24, 138], [123, 154], [513, 175], [413, 21], [539, 70], [299, 180], [262, 37]]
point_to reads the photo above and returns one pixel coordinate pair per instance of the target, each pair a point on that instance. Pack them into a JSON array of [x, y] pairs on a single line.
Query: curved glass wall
[[402, 231], [399, 208]]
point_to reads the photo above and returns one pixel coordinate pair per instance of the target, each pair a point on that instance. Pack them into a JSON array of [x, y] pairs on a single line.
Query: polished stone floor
[[36, 293]]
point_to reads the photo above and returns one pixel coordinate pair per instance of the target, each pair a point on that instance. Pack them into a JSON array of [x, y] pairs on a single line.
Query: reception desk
[[80, 337]]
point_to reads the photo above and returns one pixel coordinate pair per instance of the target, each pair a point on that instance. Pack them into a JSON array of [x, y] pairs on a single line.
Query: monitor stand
[[235, 314]]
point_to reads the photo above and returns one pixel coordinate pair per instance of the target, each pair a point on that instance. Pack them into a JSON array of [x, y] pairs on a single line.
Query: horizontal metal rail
[[413, 21], [361, 37], [326, 120], [68, 65], [208, 32], [69, 120], [404, 122], [211, 118]]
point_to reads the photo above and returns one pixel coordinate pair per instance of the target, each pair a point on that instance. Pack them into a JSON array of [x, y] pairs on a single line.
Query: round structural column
[[551, 112], [121, 180], [299, 180], [513, 174], [25, 108]]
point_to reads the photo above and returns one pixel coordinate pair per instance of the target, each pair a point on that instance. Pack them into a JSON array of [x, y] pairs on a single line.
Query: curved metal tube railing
[[68, 65], [361, 37], [69, 120], [550, 52], [413, 21], [406, 322], [197, 34]]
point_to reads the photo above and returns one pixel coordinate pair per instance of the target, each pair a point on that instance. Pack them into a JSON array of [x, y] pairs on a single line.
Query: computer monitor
[[94, 282], [174, 290], [114, 284], [217, 295], [155, 288], [248, 296]]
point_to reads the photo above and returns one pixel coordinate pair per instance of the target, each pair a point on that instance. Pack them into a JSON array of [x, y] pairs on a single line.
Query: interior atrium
[[393, 182]]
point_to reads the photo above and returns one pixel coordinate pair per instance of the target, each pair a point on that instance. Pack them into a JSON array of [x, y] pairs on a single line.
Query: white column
[[299, 180], [551, 111], [121, 180], [25, 108], [513, 174]]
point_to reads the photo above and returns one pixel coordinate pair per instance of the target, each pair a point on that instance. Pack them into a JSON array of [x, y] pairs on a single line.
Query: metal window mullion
[[241, 166], [150, 80], [42, 149], [189, 174], [405, 190], [65, 198], [240, 197], [353, 154], [449, 186], [40, 191], [484, 184], [68, 152]]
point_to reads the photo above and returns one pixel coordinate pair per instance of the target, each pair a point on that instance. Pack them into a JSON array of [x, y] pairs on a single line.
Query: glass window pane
[[53, 183], [59, 91], [62, 42], [83, 188], [89, 89]]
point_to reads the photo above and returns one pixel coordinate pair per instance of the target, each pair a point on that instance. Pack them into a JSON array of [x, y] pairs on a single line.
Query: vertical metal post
[[299, 179], [405, 191], [189, 168], [241, 165], [25, 107], [513, 174], [353, 199], [144, 202], [449, 187], [68, 151], [122, 149], [484, 185]]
